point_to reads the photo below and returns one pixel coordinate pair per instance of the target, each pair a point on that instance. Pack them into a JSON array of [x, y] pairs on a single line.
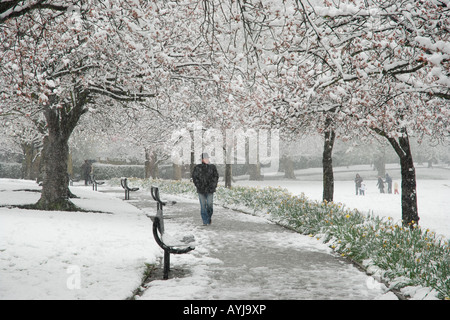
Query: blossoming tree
[[388, 65], [385, 66], [360, 67], [60, 57]]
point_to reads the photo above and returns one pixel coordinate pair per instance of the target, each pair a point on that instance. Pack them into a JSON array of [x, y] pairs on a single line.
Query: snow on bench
[[95, 183]]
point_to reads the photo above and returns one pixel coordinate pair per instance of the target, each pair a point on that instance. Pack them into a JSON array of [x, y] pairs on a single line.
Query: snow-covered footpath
[[72, 255]]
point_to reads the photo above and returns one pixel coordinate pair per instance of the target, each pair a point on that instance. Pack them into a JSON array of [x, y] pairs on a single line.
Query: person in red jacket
[[205, 178]]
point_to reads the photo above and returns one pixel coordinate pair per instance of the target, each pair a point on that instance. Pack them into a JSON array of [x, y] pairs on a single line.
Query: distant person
[[389, 183], [91, 174], [396, 187], [362, 190], [380, 184], [205, 178], [86, 169], [358, 181]]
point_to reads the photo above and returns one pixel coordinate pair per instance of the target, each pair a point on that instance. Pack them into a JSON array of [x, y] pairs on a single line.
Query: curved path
[[240, 256]]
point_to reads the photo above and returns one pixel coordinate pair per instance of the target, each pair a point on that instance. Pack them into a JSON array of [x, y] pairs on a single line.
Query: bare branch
[[119, 94], [13, 9]]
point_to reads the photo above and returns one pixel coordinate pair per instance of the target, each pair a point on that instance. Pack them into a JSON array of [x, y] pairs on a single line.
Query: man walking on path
[[205, 178]]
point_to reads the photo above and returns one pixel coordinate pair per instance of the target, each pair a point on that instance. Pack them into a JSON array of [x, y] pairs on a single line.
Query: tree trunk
[[192, 164], [327, 164], [147, 163], [70, 165], [62, 116], [228, 175], [55, 154], [55, 184], [151, 165], [288, 167], [30, 164], [380, 160], [410, 212], [154, 171], [228, 150], [255, 172], [176, 172]]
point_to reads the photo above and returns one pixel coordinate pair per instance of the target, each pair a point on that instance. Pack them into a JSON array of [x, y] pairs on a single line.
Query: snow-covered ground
[[433, 191], [69, 255]]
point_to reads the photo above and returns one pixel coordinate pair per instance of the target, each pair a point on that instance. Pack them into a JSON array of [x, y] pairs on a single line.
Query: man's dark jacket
[[205, 178]]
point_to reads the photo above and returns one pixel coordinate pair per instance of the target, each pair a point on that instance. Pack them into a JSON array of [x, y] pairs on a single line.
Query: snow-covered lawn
[[68, 255], [433, 194], [44, 254]]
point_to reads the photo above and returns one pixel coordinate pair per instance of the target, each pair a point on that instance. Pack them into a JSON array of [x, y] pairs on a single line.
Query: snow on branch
[[119, 94], [64, 72], [15, 8]]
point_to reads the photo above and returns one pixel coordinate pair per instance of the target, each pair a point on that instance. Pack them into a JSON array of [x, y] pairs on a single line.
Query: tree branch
[[12, 9], [118, 94]]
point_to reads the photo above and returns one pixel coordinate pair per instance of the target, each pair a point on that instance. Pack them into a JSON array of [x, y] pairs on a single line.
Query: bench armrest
[[170, 249]]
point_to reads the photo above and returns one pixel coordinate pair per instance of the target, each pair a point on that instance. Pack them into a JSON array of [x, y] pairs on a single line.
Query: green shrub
[[10, 170]]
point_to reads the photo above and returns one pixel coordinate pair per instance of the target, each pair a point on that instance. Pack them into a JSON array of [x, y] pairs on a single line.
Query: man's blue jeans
[[206, 206]]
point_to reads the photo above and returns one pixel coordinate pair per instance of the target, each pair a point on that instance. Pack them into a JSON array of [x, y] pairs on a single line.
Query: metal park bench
[[124, 183], [178, 247], [95, 183]]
